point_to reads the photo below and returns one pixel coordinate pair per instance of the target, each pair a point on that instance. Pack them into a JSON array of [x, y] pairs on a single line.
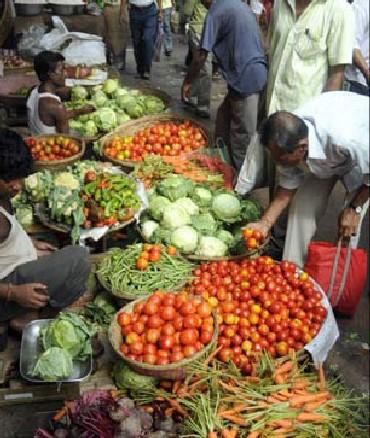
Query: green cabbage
[[161, 235], [210, 246], [250, 211], [148, 228], [70, 332], [110, 86], [175, 217], [204, 223], [157, 205], [128, 380], [54, 364], [153, 105], [24, 215], [226, 207], [125, 101], [226, 237], [175, 187], [105, 119], [185, 239], [90, 129], [119, 92], [134, 110], [188, 205], [78, 93], [202, 196], [99, 99], [122, 118]]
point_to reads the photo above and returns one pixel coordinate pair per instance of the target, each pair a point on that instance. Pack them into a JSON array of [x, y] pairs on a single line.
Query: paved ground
[[350, 356]]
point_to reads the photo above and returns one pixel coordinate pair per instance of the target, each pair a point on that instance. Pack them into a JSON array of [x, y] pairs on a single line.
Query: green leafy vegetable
[[128, 380], [226, 207], [175, 217], [205, 223], [175, 187], [211, 247], [53, 365], [185, 239]]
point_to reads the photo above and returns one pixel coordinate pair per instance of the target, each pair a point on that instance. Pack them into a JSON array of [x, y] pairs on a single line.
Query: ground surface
[[350, 356]]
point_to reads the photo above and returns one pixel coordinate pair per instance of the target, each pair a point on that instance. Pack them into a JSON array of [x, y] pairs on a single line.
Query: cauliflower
[[211, 247], [66, 179]]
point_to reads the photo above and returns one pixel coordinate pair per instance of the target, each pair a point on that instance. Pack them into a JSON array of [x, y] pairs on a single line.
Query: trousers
[[167, 37], [115, 34], [64, 272], [236, 122], [143, 24], [200, 90], [306, 209]]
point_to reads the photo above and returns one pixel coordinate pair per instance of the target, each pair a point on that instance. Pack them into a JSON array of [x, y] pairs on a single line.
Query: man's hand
[[43, 246], [262, 226], [185, 90], [348, 224], [123, 17], [87, 109], [32, 295]]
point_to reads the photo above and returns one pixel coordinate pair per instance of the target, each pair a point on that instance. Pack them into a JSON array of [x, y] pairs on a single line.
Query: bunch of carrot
[[280, 400]]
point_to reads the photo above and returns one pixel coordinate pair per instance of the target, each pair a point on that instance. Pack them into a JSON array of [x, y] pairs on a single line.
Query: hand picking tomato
[[169, 139], [52, 148], [156, 332], [260, 305], [253, 238]]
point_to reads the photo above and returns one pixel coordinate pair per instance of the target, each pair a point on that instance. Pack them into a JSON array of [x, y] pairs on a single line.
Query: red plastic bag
[[340, 271]]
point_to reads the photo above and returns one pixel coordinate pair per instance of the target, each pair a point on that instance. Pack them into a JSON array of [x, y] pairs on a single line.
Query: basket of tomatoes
[[161, 335], [54, 151], [261, 305], [160, 134]]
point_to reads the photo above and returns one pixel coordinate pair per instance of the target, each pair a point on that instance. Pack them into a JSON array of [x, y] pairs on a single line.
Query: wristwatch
[[358, 208]]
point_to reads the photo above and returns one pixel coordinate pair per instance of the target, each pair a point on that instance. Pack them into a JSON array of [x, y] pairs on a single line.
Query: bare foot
[[19, 323]]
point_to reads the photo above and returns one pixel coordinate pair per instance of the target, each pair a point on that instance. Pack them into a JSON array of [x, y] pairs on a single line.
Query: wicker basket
[[59, 164], [131, 127], [174, 371], [42, 215]]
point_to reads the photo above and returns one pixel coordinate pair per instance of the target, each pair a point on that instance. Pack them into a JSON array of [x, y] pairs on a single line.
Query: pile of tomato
[[152, 253], [261, 305], [253, 238], [161, 139], [52, 148], [166, 328]]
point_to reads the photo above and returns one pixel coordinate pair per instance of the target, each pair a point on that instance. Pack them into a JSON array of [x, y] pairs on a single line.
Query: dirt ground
[[350, 355]]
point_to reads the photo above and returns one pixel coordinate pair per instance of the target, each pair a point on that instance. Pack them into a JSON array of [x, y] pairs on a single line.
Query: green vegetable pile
[[65, 339], [132, 382], [99, 312], [196, 219], [119, 272], [114, 106]]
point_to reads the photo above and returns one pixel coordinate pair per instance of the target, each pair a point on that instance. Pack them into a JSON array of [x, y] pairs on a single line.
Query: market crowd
[[295, 116]]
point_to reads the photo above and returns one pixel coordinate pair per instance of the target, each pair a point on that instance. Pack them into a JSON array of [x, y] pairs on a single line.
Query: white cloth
[[34, 122], [305, 211], [361, 12], [141, 3], [17, 249], [338, 124]]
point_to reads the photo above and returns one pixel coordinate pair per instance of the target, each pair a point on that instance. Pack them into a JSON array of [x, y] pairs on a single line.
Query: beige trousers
[[306, 209]]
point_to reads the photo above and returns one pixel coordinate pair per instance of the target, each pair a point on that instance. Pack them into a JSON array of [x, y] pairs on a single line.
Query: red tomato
[[282, 348], [124, 319], [189, 350], [188, 336], [188, 308], [137, 348], [205, 337], [167, 313], [192, 322], [168, 329], [150, 358], [166, 342], [149, 349], [155, 321], [152, 335], [204, 310], [176, 356], [138, 327], [178, 322], [151, 308]]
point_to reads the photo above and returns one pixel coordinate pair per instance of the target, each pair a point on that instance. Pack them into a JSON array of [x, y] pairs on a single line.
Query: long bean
[[121, 276]]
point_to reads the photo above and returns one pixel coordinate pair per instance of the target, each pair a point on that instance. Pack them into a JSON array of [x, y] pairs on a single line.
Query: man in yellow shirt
[[310, 43]]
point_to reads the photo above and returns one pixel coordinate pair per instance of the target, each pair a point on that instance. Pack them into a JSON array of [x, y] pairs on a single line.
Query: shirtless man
[[46, 112]]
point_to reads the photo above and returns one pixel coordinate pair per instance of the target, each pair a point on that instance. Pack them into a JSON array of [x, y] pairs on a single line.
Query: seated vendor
[[46, 112], [33, 274]]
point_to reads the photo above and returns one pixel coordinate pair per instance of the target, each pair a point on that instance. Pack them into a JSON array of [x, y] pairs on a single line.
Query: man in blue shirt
[[231, 32]]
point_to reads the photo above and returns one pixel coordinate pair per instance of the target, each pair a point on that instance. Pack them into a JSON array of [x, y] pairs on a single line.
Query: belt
[[141, 7]]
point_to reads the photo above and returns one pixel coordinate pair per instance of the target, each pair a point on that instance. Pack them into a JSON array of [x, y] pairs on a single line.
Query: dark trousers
[[143, 23], [64, 272], [358, 88]]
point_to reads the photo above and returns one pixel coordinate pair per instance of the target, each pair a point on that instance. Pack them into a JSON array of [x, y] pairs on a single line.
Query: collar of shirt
[[315, 149]]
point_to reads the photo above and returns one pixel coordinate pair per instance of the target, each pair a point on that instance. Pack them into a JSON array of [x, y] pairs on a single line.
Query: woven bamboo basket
[[59, 164], [174, 371], [41, 213], [131, 127]]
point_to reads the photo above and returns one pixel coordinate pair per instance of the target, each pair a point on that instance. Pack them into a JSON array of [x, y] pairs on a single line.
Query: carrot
[[311, 417], [176, 386], [229, 433], [228, 387], [178, 408], [283, 369], [212, 356], [300, 383], [282, 431], [251, 379], [60, 414], [300, 400], [279, 379], [309, 407], [285, 393], [272, 399], [212, 435], [183, 390], [234, 419], [286, 424], [254, 434]]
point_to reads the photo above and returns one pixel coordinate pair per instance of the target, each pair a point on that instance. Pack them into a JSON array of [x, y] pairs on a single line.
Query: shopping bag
[[158, 41], [341, 271]]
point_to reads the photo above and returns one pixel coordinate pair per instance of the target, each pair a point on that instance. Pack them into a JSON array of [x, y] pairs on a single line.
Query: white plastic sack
[[328, 335], [252, 172]]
